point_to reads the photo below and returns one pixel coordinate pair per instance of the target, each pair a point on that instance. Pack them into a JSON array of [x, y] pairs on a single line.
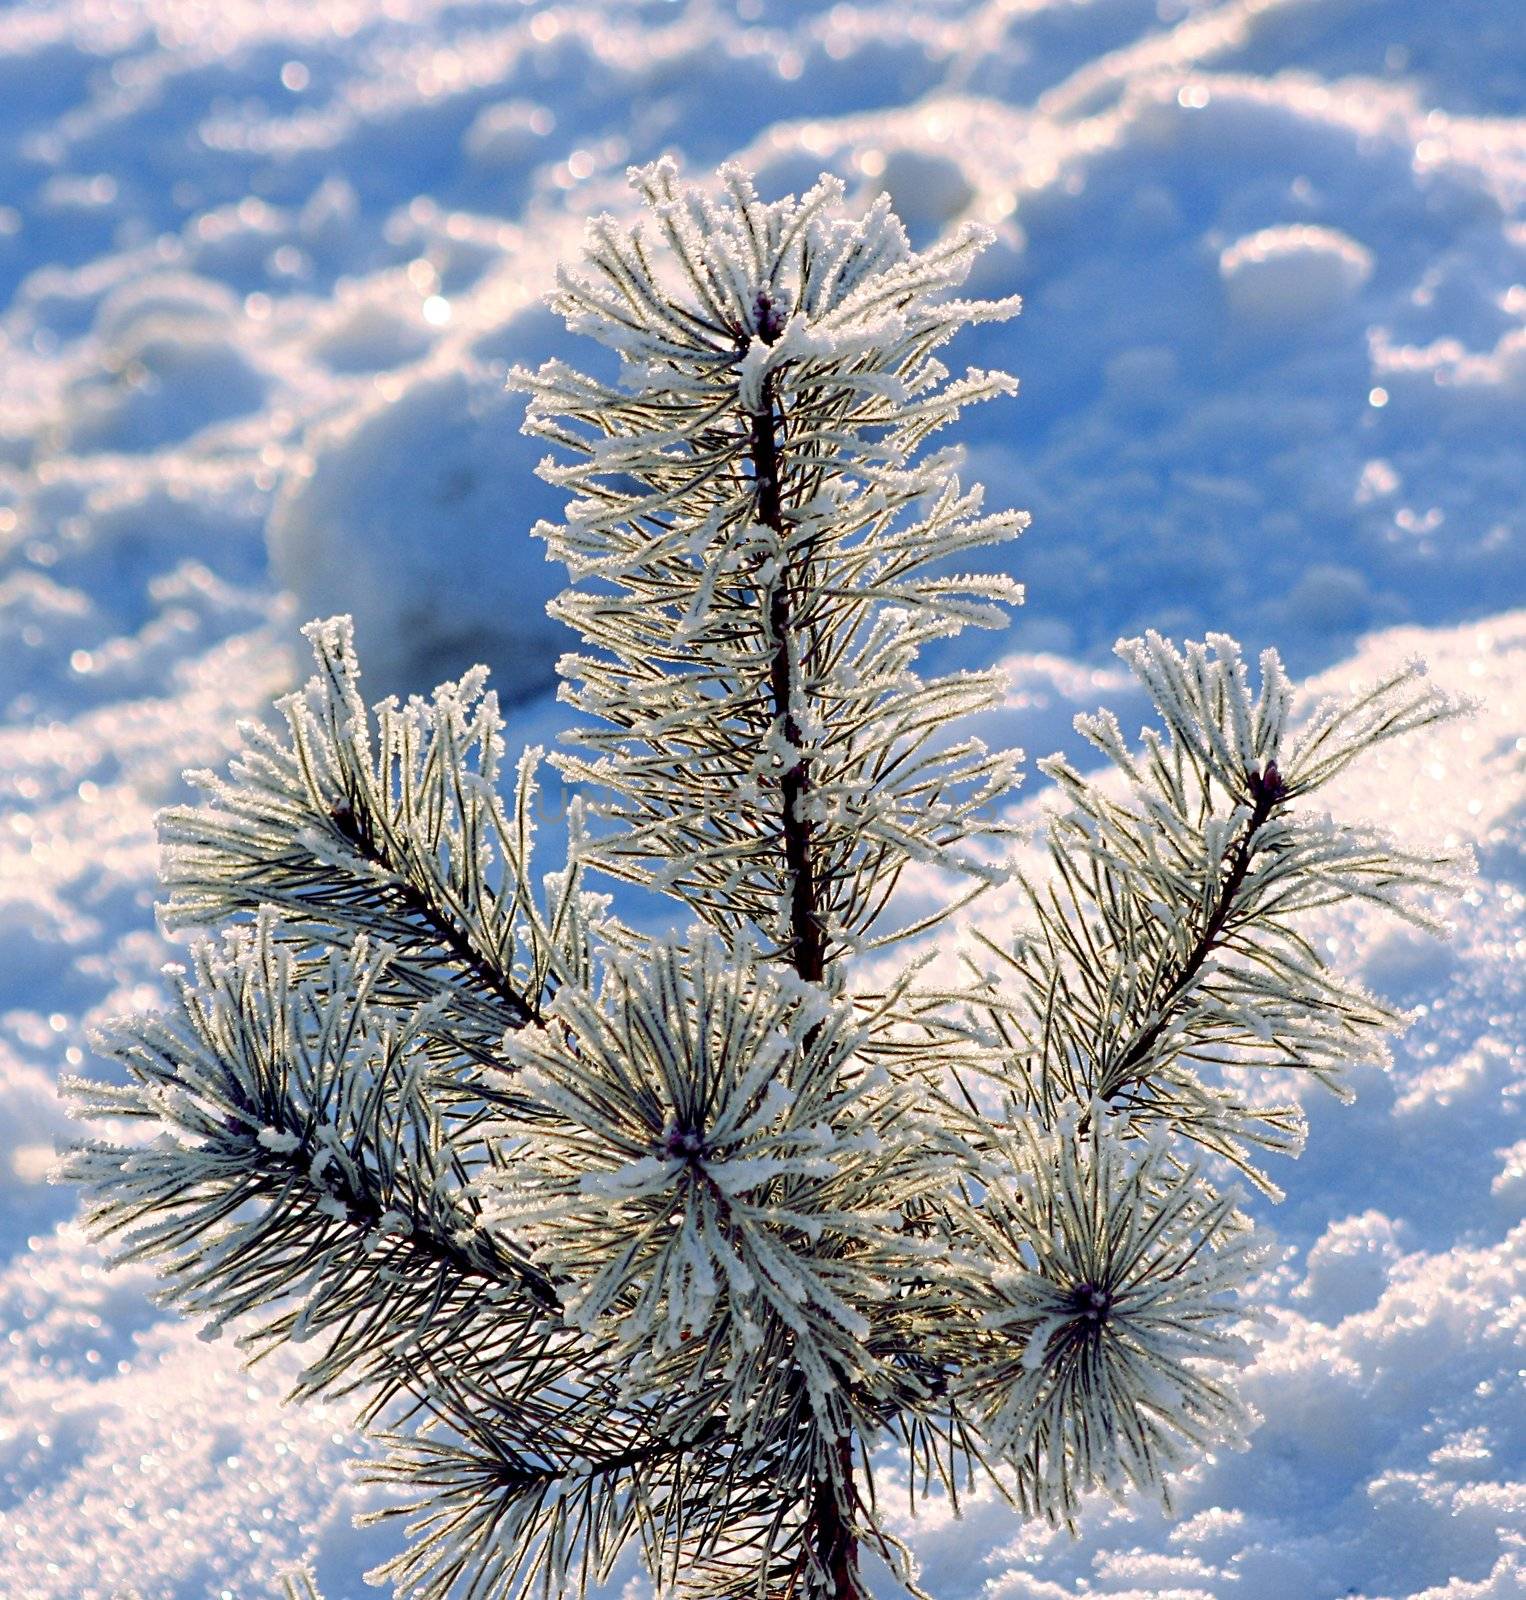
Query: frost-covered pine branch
[[400, 835], [635, 1239], [761, 559], [1166, 936]]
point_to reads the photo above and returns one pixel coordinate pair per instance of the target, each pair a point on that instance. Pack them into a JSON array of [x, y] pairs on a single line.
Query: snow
[[1293, 273], [263, 268], [440, 456]]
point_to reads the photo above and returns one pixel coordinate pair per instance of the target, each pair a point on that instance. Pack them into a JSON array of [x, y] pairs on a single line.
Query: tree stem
[[1266, 797], [807, 935], [352, 828], [836, 1548]]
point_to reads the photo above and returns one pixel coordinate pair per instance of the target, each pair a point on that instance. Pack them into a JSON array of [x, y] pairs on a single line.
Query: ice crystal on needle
[[656, 1239]]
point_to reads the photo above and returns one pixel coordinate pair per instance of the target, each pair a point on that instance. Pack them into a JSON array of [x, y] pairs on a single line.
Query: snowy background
[[263, 265]]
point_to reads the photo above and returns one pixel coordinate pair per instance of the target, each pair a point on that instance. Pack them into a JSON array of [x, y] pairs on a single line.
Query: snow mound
[[1293, 273], [412, 514], [165, 380], [1348, 1269], [506, 135], [176, 299], [370, 336], [928, 189], [164, 360]]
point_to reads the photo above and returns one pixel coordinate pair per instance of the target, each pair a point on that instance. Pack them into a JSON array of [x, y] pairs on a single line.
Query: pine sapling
[[620, 1236]]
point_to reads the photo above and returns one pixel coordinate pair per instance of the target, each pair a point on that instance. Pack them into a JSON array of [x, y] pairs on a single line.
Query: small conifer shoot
[[624, 1239]]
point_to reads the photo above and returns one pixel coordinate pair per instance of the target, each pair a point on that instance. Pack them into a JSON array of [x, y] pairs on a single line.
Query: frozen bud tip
[[683, 1144], [767, 317], [1268, 787], [1091, 1304]]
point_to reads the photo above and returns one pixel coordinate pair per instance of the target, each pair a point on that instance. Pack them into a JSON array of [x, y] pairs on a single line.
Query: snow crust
[[263, 268]]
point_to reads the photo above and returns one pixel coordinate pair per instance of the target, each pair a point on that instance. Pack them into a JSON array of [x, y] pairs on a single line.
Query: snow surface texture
[[262, 268]]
